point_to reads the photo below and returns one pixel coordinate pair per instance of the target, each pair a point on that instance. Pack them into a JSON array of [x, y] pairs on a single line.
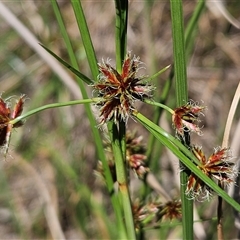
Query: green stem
[[159, 105], [85, 35], [179, 52], [192, 26], [181, 97], [91, 56], [121, 31], [52, 105], [121, 173], [118, 133], [189, 43]]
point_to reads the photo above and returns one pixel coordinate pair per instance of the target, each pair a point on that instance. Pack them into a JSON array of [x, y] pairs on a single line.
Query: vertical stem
[[182, 97], [121, 31], [219, 216], [122, 182], [86, 38], [119, 132], [179, 52], [189, 39]]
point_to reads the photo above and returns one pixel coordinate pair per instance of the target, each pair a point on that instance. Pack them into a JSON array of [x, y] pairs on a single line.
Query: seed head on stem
[[186, 118], [119, 91], [217, 167]]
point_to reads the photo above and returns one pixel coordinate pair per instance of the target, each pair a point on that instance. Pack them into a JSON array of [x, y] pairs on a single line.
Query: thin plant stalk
[[189, 39], [181, 98], [92, 121], [225, 144], [192, 26], [51, 105], [87, 42], [220, 216], [86, 39], [118, 133], [121, 31], [122, 182]]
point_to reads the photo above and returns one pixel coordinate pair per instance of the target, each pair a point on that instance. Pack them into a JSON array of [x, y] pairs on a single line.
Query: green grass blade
[[91, 118], [74, 70], [158, 73], [121, 31], [192, 26], [189, 41], [179, 52], [64, 33], [180, 72], [87, 42], [49, 106], [122, 181], [86, 38], [184, 155]]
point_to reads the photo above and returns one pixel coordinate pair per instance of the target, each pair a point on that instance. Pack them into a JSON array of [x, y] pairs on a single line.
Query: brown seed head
[[119, 91], [186, 118], [218, 167]]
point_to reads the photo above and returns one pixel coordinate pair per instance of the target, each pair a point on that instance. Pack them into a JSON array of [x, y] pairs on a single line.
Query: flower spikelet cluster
[[218, 167], [135, 156], [119, 91], [171, 210], [154, 211], [6, 116], [186, 118]]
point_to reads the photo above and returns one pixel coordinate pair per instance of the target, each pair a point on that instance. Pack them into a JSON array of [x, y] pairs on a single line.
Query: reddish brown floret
[[118, 92], [186, 118], [4, 119], [6, 115], [172, 210], [217, 167], [154, 211]]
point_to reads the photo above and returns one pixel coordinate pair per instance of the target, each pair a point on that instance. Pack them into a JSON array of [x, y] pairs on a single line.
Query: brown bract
[[118, 91], [186, 118], [4, 119], [154, 211], [136, 157], [171, 210], [217, 167], [6, 115]]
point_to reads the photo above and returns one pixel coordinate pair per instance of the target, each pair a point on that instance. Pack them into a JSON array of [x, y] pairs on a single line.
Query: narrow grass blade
[[180, 72], [158, 73], [192, 27], [74, 70], [121, 31], [189, 41], [98, 140], [95, 131], [49, 106], [86, 38], [90, 52], [167, 140]]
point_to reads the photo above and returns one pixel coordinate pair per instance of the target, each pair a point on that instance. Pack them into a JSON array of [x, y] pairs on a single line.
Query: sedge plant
[[116, 89]]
